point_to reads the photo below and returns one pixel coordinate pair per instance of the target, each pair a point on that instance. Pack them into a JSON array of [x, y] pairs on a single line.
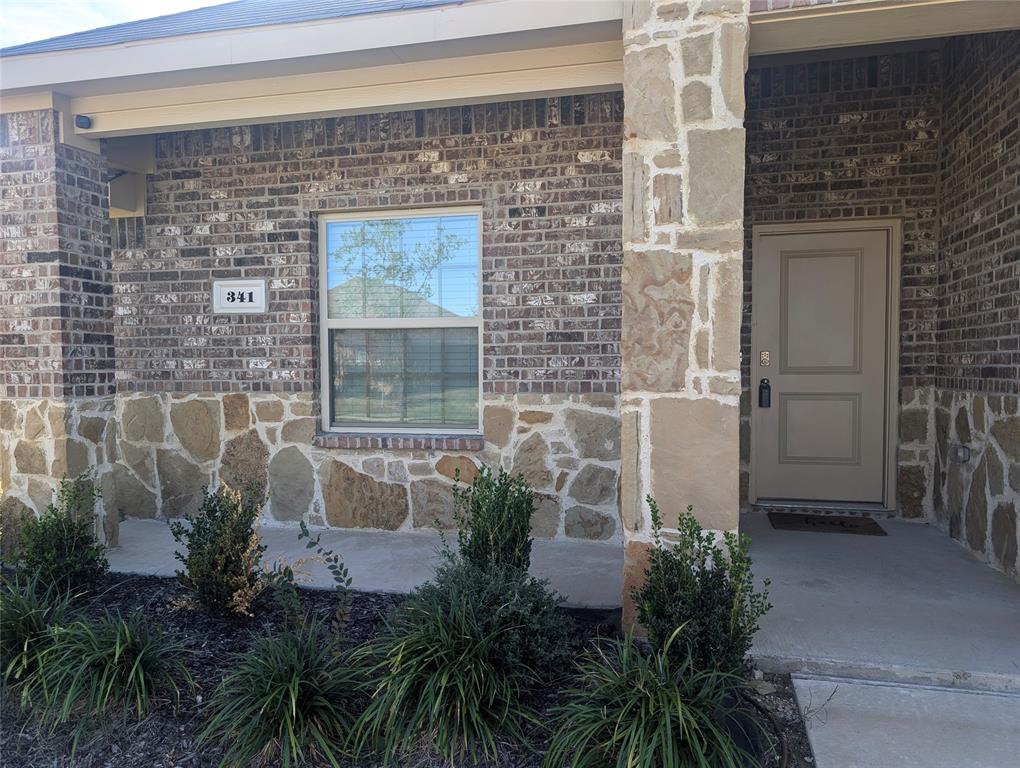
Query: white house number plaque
[[239, 297]]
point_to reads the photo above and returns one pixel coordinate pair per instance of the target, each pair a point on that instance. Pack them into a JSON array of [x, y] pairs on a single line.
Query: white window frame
[[402, 323]]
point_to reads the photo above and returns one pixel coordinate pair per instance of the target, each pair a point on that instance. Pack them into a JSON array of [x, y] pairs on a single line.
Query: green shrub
[[493, 518], [637, 708], [28, 612], [290, 695], [709, 595], [522, 613], [108, 666], [223, 552], [60, 548], [451, 668]]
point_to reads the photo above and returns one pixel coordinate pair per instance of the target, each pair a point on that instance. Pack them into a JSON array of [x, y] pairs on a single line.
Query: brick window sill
[[397, 441]]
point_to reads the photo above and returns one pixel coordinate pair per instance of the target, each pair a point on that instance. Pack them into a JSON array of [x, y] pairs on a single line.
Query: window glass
[[408, 267], [403, 321], [422, 377]]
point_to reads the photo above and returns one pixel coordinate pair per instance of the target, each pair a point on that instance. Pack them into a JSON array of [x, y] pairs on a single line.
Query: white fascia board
[[463, 80], [308, 39]]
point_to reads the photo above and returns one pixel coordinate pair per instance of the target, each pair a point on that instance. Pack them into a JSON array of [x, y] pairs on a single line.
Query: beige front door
[[821, 303]]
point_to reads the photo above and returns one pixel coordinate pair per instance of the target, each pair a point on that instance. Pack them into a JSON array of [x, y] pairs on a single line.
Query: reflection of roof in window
[[379, 299]]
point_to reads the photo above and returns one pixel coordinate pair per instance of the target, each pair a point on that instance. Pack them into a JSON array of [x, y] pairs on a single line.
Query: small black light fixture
[[82, 121]]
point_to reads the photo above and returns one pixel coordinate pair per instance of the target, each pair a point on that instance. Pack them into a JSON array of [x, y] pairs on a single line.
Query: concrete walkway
[[589, 574], [911, 607], [853, 724]]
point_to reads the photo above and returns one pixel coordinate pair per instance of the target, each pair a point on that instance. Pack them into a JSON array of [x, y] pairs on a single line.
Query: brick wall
[[977, 373], [233, 202], [852, 138], [29, 289], [85, 272], [56, 325], [979, 277]]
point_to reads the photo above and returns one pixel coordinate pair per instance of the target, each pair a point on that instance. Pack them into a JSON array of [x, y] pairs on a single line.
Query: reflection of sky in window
[[414, 267]]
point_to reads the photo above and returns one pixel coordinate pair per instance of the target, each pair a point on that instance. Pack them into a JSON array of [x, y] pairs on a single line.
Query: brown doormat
[[796, 521]]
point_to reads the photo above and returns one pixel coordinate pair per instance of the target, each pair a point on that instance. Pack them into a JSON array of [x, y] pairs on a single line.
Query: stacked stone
[[45, 439], [163, 449], [684, 65], [914, 452], [978, 501]]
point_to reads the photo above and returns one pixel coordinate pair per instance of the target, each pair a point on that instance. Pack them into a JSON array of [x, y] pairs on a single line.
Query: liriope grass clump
[[92, 670], [639, 707], [453, 672], [291, 696], [450, 671], [29, 610]]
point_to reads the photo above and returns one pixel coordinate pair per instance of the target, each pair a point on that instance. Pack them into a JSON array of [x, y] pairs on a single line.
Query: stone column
[[683, 161], [56, 341]]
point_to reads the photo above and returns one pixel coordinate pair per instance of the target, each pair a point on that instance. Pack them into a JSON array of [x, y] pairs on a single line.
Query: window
[[400, 309]]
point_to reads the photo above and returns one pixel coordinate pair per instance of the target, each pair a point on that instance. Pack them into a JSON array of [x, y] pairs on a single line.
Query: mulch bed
[[165, 739]]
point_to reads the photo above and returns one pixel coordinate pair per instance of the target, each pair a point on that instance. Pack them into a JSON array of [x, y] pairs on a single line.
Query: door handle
[[764, 394]]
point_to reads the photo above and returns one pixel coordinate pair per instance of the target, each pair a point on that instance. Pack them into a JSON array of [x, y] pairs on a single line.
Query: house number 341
[[239, 297]]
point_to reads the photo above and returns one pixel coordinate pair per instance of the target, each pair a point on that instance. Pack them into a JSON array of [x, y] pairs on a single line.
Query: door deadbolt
[[763, 359]]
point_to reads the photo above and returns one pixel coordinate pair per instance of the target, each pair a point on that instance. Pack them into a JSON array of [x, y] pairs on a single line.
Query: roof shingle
[[233, 15]]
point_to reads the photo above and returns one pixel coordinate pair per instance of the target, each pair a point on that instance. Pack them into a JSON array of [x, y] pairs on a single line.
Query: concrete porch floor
[[910, 607], [589, 574]]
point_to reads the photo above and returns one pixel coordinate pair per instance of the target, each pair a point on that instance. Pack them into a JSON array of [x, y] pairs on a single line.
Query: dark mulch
[[167, 740]]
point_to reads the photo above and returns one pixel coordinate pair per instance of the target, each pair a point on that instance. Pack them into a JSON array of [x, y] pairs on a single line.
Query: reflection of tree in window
[[385, 270]]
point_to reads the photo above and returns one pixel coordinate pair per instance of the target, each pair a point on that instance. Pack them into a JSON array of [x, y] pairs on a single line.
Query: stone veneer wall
[[44, 439], [203, 399], [977, 376], [168, 446], [684, 67]]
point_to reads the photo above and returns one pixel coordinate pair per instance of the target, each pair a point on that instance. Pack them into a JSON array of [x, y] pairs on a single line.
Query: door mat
[[797, 521]]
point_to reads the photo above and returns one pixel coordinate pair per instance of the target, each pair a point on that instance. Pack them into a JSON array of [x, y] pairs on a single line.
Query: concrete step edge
[[961, 680]]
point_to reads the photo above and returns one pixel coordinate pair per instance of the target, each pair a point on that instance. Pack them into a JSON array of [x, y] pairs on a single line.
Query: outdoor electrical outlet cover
[[960, 454]]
